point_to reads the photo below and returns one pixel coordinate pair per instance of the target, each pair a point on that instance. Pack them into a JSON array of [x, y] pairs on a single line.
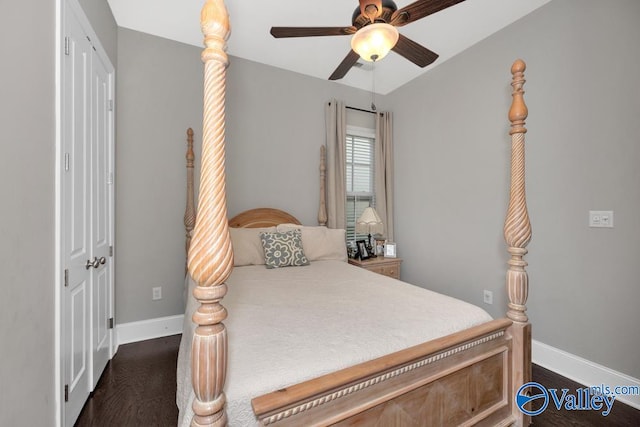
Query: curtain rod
[[361, 109]]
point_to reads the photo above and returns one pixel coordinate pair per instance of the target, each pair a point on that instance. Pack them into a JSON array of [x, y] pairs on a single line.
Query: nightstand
[[381, 265]]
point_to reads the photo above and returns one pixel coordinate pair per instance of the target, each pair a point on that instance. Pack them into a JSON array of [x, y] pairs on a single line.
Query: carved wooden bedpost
[[210, 255], [322, 210], [190, 209], [517, 233]]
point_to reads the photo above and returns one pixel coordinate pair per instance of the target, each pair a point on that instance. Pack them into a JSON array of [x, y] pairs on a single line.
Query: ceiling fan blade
[[280, 32], [344, 67], [418, 54], [420, 9]]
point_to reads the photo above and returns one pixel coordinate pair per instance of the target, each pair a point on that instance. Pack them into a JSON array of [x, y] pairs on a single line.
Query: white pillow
[[247, 247], [320, 243]]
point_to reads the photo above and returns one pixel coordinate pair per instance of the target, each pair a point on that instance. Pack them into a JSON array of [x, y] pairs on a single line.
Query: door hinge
[[66, 46], [110, 323], [110, 250], [66, 277], [66, 161], [66, 392], [110, 105]]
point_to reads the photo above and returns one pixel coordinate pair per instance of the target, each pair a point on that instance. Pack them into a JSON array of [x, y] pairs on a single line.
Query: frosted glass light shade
[[374, 41]]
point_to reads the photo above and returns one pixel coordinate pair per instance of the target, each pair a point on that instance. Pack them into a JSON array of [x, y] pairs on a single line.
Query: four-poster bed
[[464, 377]]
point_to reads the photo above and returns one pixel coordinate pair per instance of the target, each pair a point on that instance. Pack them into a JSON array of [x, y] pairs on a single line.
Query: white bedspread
[[296, 323]]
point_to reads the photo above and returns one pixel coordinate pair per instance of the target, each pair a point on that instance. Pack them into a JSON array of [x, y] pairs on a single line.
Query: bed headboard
[[262, 217]]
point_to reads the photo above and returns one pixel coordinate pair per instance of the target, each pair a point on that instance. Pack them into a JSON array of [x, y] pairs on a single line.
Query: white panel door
[[102, 215], [76, 206], [87, 214]]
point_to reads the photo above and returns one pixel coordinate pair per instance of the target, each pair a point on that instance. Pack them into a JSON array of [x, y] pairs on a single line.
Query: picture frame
[[390, 250], [352, 250], [362, 249]]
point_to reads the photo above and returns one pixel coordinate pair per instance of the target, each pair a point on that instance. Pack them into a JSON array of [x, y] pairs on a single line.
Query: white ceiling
[[447, 32]]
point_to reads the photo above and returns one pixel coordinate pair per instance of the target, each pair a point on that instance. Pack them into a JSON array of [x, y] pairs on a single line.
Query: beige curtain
[[336, 131], [384, 171]]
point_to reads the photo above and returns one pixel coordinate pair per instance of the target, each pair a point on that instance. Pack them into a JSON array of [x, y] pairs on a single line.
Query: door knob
[[103, 260], [95, 263]]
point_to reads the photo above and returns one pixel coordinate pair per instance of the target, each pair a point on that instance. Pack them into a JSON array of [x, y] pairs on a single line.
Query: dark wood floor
[[138, 389]]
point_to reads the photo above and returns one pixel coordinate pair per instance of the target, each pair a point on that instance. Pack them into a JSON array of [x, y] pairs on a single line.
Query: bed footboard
[[460, 379]]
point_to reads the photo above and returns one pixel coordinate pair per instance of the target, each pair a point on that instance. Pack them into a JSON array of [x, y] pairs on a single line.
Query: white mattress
[[292, 324]]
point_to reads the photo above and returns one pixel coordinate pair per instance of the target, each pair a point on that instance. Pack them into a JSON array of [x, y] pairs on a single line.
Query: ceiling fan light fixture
[[373, 42]]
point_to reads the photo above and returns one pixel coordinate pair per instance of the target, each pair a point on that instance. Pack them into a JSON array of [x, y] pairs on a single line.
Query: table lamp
[[369, 222]]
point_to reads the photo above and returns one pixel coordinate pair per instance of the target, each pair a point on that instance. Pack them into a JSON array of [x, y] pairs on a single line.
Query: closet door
[[87, 211], [101, 216], [76, 209]]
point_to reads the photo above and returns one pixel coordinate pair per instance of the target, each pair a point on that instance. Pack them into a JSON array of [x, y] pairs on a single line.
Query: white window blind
[[360, 176]]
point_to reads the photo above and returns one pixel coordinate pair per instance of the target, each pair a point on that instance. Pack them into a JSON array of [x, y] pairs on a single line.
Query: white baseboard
[[149, 329], [583, 371]]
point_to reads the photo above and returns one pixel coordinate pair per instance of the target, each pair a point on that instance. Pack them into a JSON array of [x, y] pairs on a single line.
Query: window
[[360, 176]]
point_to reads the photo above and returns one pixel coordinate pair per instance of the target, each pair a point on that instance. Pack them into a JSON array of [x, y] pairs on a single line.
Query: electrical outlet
[[156, 293], [487, 297]]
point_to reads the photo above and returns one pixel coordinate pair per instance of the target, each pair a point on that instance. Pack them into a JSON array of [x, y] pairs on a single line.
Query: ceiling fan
[[373, 16]]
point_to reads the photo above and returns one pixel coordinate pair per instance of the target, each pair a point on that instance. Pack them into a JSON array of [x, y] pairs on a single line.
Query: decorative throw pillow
[[283, 249]]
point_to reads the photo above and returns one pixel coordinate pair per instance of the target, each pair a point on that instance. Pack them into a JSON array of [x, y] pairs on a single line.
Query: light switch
[[601, 219]]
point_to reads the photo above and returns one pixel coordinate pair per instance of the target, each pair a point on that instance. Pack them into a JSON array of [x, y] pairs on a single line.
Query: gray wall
[[27, 211], [452, 155], [159, 96], [275, 127]]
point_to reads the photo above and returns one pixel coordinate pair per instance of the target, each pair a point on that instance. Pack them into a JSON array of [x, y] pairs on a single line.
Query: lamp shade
[[369, 222], [373, 42]]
